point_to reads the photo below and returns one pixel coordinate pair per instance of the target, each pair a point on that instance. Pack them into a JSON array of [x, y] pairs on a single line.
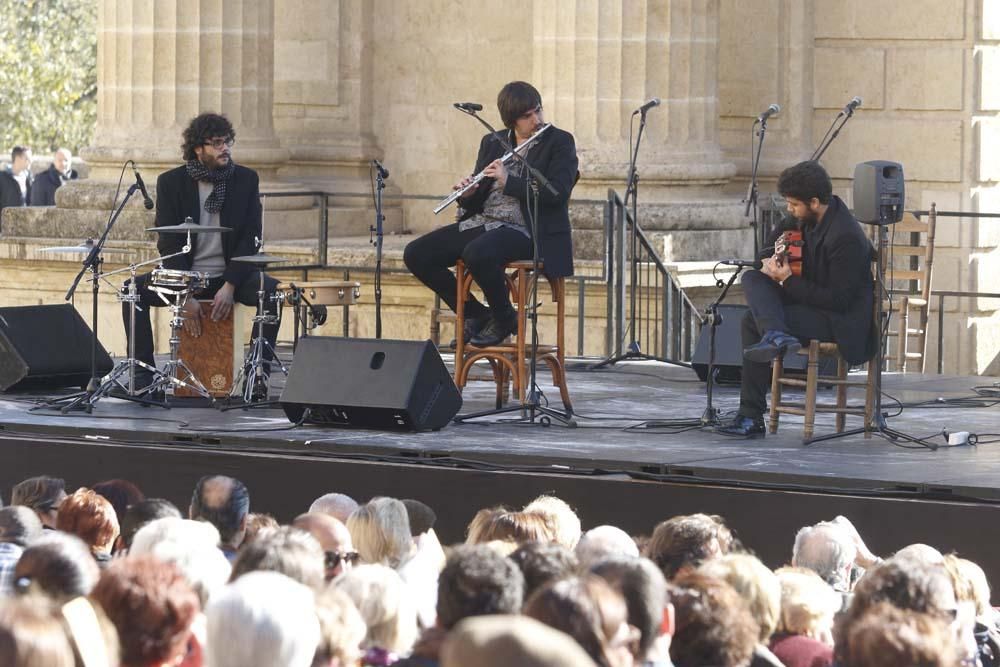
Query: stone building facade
[[316, 88]]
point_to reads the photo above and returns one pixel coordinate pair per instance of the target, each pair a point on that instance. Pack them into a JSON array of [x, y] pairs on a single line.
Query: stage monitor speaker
[[46, 347], [729, 350], [396, 385]]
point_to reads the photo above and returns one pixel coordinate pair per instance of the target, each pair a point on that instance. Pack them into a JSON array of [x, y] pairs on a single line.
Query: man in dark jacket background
[[43, 190], [16, 181]]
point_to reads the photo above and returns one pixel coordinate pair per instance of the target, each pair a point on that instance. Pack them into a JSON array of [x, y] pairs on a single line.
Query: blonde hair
[[565, 522], [385, 605], [754, 582], [380, 531], [980, 585], [808, 604], [505, 525]]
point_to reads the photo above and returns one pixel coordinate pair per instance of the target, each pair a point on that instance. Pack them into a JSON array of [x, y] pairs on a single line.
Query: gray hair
[[603, 542], [385, 604], [19, 525], [193, 546], [827, 550], [380, 530], [261, 620], [290, 551], [337, 505]]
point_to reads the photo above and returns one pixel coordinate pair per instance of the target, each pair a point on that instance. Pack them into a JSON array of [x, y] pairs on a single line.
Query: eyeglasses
[[333, 558], [218, 143]]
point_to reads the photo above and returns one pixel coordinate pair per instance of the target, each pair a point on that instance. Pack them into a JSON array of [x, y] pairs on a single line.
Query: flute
[[507, 157]]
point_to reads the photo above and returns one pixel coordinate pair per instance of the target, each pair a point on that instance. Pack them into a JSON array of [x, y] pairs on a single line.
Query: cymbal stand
[[252, 371], [175, 373]]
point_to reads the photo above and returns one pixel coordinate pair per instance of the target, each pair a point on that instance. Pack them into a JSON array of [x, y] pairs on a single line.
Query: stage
[[614, 466]]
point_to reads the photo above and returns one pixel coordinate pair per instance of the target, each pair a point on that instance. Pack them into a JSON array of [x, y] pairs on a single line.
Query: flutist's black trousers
[[485, 254]]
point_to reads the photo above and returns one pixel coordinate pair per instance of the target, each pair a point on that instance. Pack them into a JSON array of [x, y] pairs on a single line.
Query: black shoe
[[771, 345], [496, 330], [471, 328], [743, 427]]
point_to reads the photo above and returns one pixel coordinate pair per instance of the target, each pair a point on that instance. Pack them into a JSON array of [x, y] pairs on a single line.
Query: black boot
[[496, 330], [743, 427]]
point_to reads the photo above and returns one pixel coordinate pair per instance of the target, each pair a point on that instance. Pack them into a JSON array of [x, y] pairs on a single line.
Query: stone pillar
[[162, 63], [323, 101], [596, 62]]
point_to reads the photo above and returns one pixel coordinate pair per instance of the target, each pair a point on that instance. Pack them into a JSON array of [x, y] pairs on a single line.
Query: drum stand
[[252, 374], [175, 373]]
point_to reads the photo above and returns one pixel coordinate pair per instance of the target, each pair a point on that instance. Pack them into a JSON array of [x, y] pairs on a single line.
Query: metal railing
[[660, 317]]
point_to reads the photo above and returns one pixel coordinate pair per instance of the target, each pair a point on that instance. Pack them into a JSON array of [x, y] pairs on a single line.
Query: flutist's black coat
[[554, 155]]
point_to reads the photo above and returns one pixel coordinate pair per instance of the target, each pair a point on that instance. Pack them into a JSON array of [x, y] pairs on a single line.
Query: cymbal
[[84, 249], [184, 229], [260, 258]]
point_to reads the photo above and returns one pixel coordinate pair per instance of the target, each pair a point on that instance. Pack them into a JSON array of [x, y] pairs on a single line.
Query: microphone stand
[[842, 117], [92, 263], [751, 196], [532, 406], [376, 229]]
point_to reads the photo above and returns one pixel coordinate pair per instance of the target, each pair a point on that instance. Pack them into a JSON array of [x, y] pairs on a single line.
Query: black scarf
[[218, 179]]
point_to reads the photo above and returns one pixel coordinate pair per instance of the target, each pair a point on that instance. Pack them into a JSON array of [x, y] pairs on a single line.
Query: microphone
[[771, 110], [743, 263], [852, 105], [147, 201], [382, 171], [655, 102], [468, 107]]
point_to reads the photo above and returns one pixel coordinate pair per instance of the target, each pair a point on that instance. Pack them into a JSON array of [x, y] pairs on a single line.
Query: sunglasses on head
[[333, 558]]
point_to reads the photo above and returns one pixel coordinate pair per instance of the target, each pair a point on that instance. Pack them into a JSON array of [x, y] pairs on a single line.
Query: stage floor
[[615, 434]]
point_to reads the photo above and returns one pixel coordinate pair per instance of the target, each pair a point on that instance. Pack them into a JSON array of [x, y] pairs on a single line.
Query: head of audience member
[[139, 514], [385, 605], [223, 502], [980, 588], [564, 521], [333, 537], [32, 635], [920, 553], [543, 562], [591, 612], [152, 606], [20, 159], [337, 505], [687, 541], [905, 584], [604, 542], [808, 604], [499, 524], [291, 551], [90, 517], [258, 522], [380, 531], [422, 517], [19, 526], [341, 630], [828, 550], [644, 589], [262, 619], [887, 635], [63, 161], [193, 546], [477, 581], [42, 494], [121, 493], [755, 583], [504, 641], [57, 565], [713, 625]]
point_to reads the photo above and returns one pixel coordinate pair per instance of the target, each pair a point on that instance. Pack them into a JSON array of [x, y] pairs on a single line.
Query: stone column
[[162, 63], [596, 62]]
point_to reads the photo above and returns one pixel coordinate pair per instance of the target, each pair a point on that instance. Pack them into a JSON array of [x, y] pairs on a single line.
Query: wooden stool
[[216, 355], [809, 407], [509, 360]]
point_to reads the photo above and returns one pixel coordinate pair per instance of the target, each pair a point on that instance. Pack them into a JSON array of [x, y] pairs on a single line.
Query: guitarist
[[830, 301]]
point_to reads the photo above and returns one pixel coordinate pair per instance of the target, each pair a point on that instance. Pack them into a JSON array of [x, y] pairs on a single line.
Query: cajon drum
[[216, 355]]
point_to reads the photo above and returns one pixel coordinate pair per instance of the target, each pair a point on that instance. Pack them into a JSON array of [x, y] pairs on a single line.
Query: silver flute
[[507, 157]]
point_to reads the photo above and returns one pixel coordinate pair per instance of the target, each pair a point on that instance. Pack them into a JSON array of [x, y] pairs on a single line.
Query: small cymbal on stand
[[184, 228], [83, 249]]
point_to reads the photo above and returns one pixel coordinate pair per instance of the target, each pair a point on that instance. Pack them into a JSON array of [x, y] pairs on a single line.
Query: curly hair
[[91, 517], [713, 626], [542, 562], [806, 180], [202, 128], [687, 540], [477, 581]]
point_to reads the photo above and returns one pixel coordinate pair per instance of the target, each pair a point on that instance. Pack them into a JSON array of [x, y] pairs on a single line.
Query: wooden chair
[[909, 286], [509, 360]]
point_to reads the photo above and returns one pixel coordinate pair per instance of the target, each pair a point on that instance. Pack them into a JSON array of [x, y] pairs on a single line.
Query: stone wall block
[[926, 79], [842, 73], [891, 19], [950, 232]]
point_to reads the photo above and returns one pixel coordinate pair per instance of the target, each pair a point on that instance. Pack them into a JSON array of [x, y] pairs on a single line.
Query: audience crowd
[[104, 577]]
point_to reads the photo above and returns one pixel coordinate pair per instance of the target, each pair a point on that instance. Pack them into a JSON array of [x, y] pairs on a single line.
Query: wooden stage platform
[[615, 466]]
